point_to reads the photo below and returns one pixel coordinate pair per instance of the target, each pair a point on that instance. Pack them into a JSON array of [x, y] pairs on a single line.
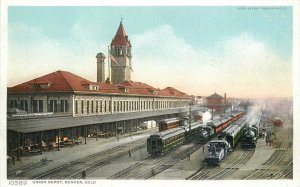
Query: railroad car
[[235, 131], [165, 140], [191, 132], [217, 151], [221, 123], [166, 124], [249, 138], [277, 122]]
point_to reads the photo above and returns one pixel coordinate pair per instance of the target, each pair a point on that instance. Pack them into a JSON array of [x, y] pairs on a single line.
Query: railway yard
[[110, 159]]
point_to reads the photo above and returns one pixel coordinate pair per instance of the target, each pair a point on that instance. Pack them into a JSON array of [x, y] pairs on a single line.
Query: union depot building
[[61, 106]]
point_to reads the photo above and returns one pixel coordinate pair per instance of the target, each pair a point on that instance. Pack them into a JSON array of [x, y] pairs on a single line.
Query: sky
[[242, 51]]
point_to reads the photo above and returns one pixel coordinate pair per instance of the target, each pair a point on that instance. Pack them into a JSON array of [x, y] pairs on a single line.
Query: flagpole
[[108, 56]]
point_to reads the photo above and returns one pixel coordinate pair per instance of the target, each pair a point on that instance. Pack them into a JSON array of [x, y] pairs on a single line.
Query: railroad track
[[285, 173], [219, 173], [73, 169], [154, 165], [20, 172], [276, 157]]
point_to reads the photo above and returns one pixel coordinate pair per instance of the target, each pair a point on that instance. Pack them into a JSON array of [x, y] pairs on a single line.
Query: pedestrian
[[118, 138], [83, 174], [129, 153], [203, 149], [188, 156], [152, 172], [13, 159]]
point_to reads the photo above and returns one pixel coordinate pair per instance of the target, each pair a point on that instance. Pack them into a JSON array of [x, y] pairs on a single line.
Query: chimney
[[100, 67]]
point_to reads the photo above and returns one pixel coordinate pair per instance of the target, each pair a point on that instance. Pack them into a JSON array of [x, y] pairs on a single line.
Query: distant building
[[216, 102], [198, 100]]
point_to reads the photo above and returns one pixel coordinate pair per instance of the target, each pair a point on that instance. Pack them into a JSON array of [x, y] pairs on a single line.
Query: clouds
[[39, 54], [242, 65]]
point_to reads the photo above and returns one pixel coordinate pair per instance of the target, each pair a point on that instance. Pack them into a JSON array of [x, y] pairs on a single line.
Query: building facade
[[65, 93]]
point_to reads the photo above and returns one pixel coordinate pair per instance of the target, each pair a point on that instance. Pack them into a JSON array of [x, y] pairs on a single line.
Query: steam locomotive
[[249, 139], [219, 149]]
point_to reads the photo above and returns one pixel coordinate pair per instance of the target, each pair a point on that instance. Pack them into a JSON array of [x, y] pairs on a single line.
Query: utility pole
[[190, 118]]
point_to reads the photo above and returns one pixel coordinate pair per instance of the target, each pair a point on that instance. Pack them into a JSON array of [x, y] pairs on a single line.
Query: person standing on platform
[[188, 156], [129, 153], [83, 174]]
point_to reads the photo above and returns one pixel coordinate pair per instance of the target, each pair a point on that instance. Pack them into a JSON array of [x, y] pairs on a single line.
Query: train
[[217, 152], [277, 122], [251, 135], [163, 141], [166, 124], [219, 149], [214, 127], [249, 138]]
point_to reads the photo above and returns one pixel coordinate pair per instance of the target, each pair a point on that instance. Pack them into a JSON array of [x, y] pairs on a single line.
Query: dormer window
[[38, 85], [154, 92], [124, 89], [93, 87]]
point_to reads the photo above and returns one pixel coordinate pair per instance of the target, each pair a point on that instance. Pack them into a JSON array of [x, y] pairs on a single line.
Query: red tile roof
[[65, 81], [59, 81], [121, 37], [215, 96], [170, 91]]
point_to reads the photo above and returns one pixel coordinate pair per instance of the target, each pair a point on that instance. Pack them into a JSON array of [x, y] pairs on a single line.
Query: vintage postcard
[[134, 94]]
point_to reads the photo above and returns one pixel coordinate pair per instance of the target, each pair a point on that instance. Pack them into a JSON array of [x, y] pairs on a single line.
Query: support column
[[73, 133], [18, 144], [124, 127], [107, 128], [41, 142], [96, 132], [58, 144], [85, 134]]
